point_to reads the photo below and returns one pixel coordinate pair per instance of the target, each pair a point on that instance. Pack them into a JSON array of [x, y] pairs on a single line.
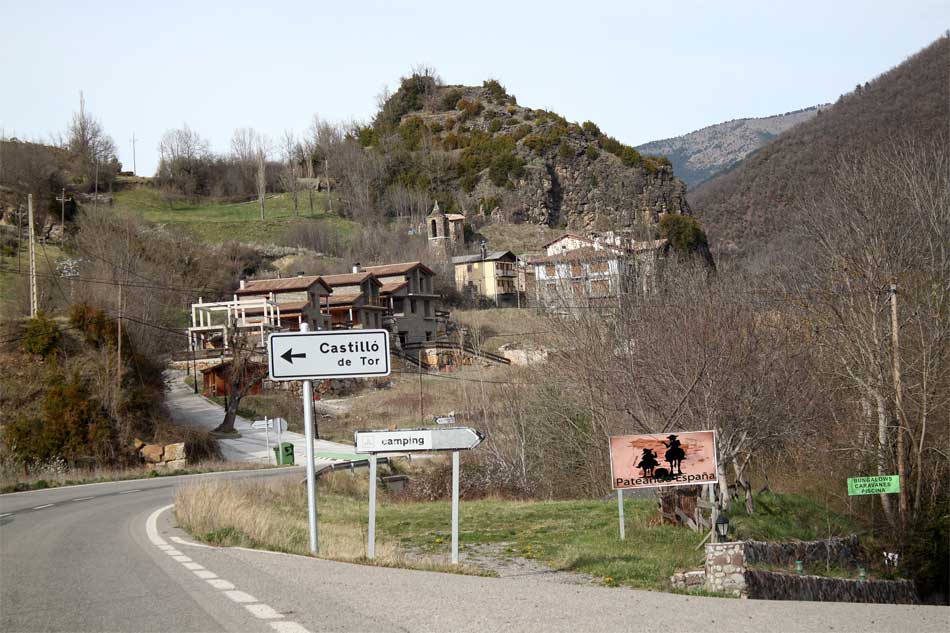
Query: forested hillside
[[700, 155], [754, 210]]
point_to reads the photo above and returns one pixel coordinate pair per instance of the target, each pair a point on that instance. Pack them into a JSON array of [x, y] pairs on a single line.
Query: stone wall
[[845, 553], [773, 585], [725, 568], [158, 456]]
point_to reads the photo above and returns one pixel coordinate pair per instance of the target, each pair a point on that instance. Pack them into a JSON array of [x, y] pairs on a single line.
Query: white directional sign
[[444, 439], [328, 354], [271, 424]]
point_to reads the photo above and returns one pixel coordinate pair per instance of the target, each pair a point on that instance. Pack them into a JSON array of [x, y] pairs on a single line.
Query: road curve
[[108, 557]]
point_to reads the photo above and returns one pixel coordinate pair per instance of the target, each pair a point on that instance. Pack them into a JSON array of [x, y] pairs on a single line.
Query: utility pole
[[421, 407], [62, 218], [134, 170], [261, 179], [34, 303], [326, 167], [898, 404], [95, 205], [118, 368]]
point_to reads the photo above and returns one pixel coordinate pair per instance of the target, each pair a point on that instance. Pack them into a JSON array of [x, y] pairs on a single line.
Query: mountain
[[700, 155], [751, 210], [477, 151]]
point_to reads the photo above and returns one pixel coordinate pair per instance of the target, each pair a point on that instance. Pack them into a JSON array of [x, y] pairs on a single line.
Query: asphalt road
[[107, 557]]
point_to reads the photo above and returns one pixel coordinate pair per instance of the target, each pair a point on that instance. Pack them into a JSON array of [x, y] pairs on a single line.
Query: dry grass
[[272, 514], [56, 473], [498, 326]]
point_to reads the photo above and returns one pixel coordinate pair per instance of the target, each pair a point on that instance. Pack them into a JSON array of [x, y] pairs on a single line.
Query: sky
[[641, 70]]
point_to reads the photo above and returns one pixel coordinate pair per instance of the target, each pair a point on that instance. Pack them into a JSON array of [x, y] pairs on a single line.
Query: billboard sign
[[882, 484], [663, 459]]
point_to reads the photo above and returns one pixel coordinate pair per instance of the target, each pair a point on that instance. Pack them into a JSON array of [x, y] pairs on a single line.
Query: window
[[412, 306], [577, 288], [428, 336], [599, 267], [549, 270], [577, 270], [600, 287], [468, 268], [427, 307]]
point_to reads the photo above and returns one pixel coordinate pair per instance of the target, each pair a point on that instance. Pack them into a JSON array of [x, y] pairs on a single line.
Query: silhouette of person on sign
[[674, 454], [647, 462]]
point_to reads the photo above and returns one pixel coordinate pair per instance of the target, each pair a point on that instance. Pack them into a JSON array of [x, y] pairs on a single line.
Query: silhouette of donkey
[[674, 454], [647, 462]]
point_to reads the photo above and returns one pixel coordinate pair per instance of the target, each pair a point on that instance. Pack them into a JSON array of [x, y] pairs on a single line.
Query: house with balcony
[[259, 307], [590, 271], [355, 301], [492, 275], [408, 293]]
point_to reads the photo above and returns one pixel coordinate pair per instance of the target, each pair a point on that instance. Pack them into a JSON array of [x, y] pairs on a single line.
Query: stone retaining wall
[[845, 553], [158, 456], [773, 585]]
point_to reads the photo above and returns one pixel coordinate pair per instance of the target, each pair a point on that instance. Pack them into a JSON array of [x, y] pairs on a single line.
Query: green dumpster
[[284, 453]]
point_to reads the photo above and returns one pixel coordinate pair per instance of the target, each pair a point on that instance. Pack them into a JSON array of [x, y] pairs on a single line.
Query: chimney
[[357, 268], [484, 250], [300, 273], [243, 281]]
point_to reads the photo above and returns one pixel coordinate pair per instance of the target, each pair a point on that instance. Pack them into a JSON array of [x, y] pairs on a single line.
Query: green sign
[[873, 485]]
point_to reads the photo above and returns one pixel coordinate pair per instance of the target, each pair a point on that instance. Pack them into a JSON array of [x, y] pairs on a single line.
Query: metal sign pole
[[267, 442], [371, 536], [455, 507], [620, 509], [311, 476]]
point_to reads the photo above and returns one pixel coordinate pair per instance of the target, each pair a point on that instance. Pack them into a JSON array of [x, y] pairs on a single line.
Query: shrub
[[469, 181], [451, 141], [42, 336], [367, 136], [565, 152], [592, 152], [450, 98], [520, 132], [504, 166], [488, 204], [412, 130], [534, 143], [590, 128], [450, 122], [468, 108], [494, 126], [629, 156], [685, 234], [436, 127]]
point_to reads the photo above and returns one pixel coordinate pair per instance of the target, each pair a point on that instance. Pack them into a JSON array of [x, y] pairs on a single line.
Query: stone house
[[488, 274], [409, 294], [444, 228], [298, 299], [355, 302]]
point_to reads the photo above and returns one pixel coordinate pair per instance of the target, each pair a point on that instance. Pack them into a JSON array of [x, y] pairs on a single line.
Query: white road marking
[[263, 611], [5, 514], [240, 596], [151, 526], [48, 505], [83, 498], [286, 626], [128, 492], [219, 583], [257, 609]]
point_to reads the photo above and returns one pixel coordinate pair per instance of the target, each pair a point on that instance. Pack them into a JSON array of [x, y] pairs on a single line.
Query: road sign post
[[453, 439], [620, 509], [310, 356]]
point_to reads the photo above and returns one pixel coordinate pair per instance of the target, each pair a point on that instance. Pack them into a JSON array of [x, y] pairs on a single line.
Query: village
[[590, 271]]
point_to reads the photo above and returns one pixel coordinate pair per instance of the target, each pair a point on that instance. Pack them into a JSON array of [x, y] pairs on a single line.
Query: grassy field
[[569, 535], [220, 222], [498, 326], [46, 258]]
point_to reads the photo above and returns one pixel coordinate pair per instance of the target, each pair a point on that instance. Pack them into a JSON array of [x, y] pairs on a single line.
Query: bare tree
[[92, 150], [244, 373], [291, 151]]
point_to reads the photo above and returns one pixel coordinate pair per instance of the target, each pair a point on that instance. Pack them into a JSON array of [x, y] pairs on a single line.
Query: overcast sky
[[641, 70]]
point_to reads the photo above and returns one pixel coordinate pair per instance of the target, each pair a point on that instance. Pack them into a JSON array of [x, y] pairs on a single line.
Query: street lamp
[[722, 527]]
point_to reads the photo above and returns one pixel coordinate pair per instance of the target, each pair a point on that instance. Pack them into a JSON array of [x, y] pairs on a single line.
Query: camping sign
[[664, 459]]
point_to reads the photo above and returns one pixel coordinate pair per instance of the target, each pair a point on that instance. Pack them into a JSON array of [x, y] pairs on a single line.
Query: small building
[[216, 380], [355, 302], [443, 228], [489, 274], [408, 292], [596, 272], [298, 299]]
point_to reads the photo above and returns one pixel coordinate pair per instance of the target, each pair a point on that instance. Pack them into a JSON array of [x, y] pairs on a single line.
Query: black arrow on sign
[[289, 356]]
